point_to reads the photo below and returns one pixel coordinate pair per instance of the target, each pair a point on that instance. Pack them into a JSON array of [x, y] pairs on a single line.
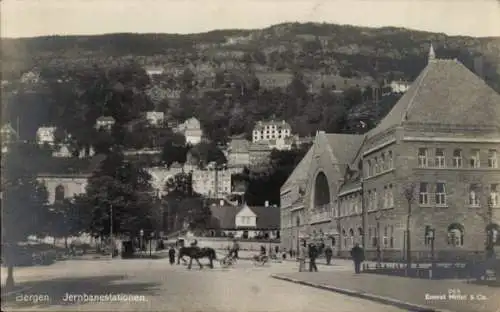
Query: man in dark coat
[[313, 254], [328, 254], [171, 255], [358, 256]]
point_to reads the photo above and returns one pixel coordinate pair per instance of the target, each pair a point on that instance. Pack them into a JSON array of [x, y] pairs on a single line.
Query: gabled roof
[[300, 173], [344, 146], [239, 146], [445, 92], [267, 217], [223, 217]]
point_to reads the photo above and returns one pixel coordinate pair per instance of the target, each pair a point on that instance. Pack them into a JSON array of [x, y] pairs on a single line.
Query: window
[[492, 159], [474, 159], [383, 164], [386, 197], [351, 235], [385, 240], [376, 165], [440, 160], [474, 195], [344, 235], [423, 197], [375, 238], [391, 238], [422, 157], [391, 196], [375, 200], [356, 206], [457, 158], [370, 234], [368, 168], [389, 160], [455, 234], [59, 193], [494, 195], [440, 194]]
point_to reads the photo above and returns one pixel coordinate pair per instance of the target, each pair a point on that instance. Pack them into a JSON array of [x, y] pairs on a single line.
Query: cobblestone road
[[243, 287]]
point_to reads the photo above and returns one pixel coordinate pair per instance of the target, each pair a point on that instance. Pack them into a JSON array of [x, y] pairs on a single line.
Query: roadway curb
[[384, 300]]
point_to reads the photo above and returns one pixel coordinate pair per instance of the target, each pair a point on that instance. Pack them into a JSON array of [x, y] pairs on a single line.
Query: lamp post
[[151, 243], [298, 234], [111, 230], [429, 237], [409, 193], [141, 242]]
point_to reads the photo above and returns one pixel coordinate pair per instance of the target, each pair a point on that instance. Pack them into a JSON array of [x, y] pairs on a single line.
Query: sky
[[29, 18]]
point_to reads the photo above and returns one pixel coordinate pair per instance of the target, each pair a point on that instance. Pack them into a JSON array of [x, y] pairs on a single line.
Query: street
[[155, 285]]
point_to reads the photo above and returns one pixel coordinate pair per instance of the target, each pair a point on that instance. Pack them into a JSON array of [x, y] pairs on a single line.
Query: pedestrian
[[284, 254], [313, 254], [291, 253], [302, 256], [171, 255], [328, 254], [277, 249], [263, 250], [234, 249], [358, 256]]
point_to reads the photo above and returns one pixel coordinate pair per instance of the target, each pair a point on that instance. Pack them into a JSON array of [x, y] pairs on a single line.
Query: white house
[[45, 135], [105, 122], [246, 222], [155, 118], [192, 131]]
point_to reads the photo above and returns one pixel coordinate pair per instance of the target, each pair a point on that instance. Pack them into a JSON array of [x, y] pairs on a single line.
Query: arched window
[[59, 193], [344, 236], [351, 235], [360, 232], [455, 234]]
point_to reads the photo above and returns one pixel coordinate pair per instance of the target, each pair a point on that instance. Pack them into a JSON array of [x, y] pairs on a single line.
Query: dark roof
[[267, 217], [300, 174], [223, 216], [344, 146], [445, 92]]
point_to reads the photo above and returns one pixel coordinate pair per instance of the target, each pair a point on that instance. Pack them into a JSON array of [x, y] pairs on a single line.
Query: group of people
[[312, 251]]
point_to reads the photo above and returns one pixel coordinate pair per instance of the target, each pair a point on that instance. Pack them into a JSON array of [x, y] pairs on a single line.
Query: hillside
[[347, 51]]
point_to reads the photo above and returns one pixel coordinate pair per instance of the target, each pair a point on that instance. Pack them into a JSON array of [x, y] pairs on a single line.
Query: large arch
[[321, 194]]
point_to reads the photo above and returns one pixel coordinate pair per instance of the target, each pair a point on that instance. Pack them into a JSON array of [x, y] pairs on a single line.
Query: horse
[[197, 253]]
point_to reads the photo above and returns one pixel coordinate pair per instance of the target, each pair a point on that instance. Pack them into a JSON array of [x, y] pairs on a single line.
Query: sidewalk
[[403, 292]]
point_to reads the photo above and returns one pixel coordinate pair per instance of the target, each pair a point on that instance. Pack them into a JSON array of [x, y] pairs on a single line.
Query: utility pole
[[111, 230], [409, 193]]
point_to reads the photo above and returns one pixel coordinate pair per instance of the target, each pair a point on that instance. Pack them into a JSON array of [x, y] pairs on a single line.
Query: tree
[[23, 203], [206, 153], [119, 193], [64, 219], [174, 148]]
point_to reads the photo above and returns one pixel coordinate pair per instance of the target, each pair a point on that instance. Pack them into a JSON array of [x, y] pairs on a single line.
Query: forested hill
[[345, 50]]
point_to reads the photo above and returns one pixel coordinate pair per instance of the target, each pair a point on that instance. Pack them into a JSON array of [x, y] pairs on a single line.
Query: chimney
[[266, 203]]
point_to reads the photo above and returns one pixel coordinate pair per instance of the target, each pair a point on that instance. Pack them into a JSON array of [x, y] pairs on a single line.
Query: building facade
[[431, 163], [63, 186], [264, 131], [45, 135], [238, 154], [191, 129], [212, 183]]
